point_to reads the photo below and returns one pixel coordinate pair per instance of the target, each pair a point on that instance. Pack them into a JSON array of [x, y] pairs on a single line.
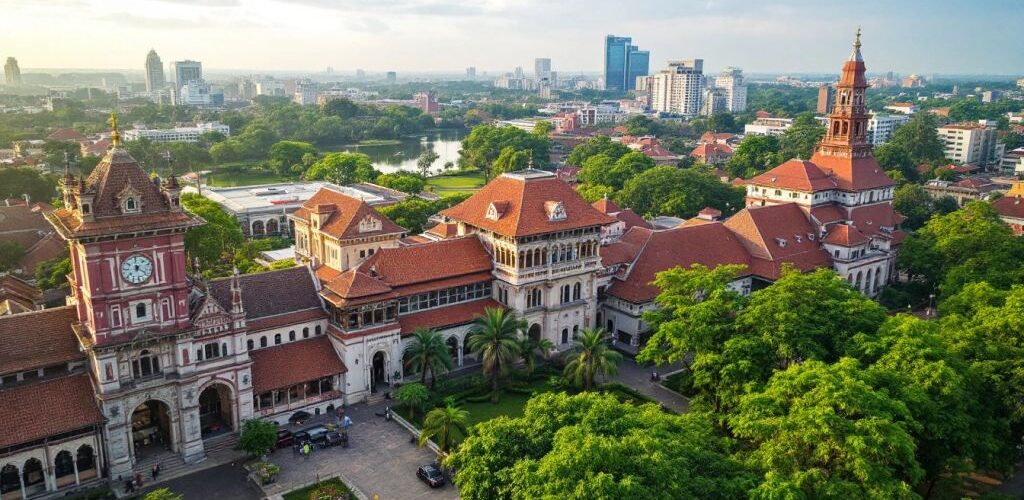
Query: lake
[[403, 154]]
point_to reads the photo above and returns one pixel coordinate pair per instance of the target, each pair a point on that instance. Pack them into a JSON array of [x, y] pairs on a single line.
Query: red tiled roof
[[798, 175], [48, 248], [762, 114], [853, 174], [525, 195], [632, 219], [293, 363], [778, 234], [444, 317], [445, 230], [266, 323], [49, 407], [346, 213], [270, 293], [95, 148], [710, 244], [38, 339], [844, 235], [709, 137], [1010, 206], [868, 219], [827, 214], [606, 206], [711, 150], [65, 135]]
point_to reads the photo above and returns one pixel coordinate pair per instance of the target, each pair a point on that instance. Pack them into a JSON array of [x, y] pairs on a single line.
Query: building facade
[[178, 134], [730, 80], [186, 71], [623, 63], [970, 144], [12, 73], [154, 72], [881, 126], [678, 89]]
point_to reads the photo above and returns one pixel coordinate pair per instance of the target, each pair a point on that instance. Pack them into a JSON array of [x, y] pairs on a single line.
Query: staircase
[[374, 398], [219, 450]]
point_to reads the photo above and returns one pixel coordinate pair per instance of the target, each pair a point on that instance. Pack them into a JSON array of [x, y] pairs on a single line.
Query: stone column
[[186, 423]]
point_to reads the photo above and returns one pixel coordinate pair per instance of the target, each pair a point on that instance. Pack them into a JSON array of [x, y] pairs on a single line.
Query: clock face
[[136, 269]]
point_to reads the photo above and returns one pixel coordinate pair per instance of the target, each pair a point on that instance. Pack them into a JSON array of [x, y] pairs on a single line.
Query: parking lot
[[380, 460]]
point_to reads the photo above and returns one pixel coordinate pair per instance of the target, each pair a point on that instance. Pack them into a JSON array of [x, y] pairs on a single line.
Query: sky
[[760, 36]]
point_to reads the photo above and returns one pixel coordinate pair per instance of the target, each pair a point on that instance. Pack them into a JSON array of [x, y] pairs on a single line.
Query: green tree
[[162, 494], [485, 143], [428, 352], [257, 436], [601, 169], [343, 168], [589, 357], [413, 212], [286, 154], [510, 160], [11, 253], [53, 273], [800, 139], [919, 139], [440, 422], [16, 182], [426, 160], [600, 145], [543, 128], [894, 158], [529, 348], [914, 203], [405, 182], [493, 338], [667, 190], [342, 108], [594, 192], [592, 446], [755, 154], [214, 241], [413, 396], [824, 431]]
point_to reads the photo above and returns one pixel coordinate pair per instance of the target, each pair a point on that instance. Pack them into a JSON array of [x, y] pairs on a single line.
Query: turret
[[237, 308]]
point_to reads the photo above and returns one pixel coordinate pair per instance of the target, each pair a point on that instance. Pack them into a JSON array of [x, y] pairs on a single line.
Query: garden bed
[[303, 493]]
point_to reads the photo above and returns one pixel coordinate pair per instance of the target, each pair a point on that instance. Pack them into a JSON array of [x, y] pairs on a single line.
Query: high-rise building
[[306, 92], [471, 73], [186, 71], [970, 144], [542, 68], [881, 127], [623, 63], [714, 100], [154, 72], [360, 75], [678, 89], [392, 77], [731, 82], [826, 96], [12, 74]]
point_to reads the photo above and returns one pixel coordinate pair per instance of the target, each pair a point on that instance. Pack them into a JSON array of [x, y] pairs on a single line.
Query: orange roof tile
[[870, 218], [798, 175], [46, 408], [293, 363], [778, 234], [38, 339], [520, 200], [846, 236], [444, 230], [1010, 206], [446, 317], [346, 213], [606, 206], [853, 174], [65, 135]]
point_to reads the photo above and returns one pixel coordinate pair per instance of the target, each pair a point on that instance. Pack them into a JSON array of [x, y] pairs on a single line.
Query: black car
[[330, 438], [316, 435], [431, 475], [300, 417], [284, 438]]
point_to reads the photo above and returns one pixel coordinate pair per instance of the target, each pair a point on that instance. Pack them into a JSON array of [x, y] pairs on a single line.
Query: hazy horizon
[[446, 36]]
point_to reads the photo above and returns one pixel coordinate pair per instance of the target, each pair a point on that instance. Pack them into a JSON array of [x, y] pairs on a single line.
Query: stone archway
[[216, 415], [257, 228], [534, 332], [272, 227], [152, 429], [10, 482], [33, 478], [64, 469], [453, 350]]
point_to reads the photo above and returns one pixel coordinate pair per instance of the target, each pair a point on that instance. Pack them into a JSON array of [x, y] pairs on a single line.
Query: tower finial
[[115, 136], [855, 54], [856, 43]]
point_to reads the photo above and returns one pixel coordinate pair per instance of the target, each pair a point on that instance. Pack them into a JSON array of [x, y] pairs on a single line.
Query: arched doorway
[[64, 469], [534, 332], [378, 372], [32, 477], [272, 227], [10, 482], [151, 429], [215, 415], [453, 348], [257, 228], [86, 462]]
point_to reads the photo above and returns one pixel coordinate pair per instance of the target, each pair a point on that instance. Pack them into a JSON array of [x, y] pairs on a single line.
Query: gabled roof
[[606, 206], [845, 236], [827, 214], [711, 149], [799, 175], [344, 214], [524, 196], [293, 363], [870, 218], [853, 174], [710, 244], [1010, 206], [632, 219], [38, 339], [18, 294], [444, 230], [46, 408], [65, 135], [270, 293], [778, 234]]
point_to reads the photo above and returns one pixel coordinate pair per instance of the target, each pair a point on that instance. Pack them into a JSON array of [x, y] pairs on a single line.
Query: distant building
[[179, 134], [735, 92], [306, 92], [1020, 83], [186, 71], [623, 63], [907, 108], [990, 95], [360, 75], [154, 72], [678, 89], [969, 144], [12, 73], [198, 93], [471, 73], [881, 127], [392, 77], [270, 86], [713, 100], [426, 102], [913, 82], [1012, 162], [768, 126], [542, 68], [826, 96]]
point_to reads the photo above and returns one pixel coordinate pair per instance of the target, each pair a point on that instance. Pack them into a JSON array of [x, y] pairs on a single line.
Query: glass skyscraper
[[623, 62]]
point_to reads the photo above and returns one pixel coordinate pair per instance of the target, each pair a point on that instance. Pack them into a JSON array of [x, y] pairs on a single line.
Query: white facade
[[768, 126], [179, 134], [678, 89], [731, 83], [305, 92], [881, 127], [969, 144]]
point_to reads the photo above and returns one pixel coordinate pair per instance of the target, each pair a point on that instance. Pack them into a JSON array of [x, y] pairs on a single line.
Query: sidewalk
[[638, 377]]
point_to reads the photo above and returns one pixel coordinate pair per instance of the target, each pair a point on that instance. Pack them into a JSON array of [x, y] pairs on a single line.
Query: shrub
[[257, 436]]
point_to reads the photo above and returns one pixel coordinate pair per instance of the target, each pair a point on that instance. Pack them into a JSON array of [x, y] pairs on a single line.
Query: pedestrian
[[155, 471], [346, 422], [138, 480], [129, 486], [306, 450]]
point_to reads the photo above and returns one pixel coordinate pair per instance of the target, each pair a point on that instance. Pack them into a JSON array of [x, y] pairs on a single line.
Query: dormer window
[[555, 210], [369, 224], [130, 200], [496, 209], [129, 205]]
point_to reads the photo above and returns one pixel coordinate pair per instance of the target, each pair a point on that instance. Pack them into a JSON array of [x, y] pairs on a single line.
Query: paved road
[[224, 482], [380, 460], [639, 377]]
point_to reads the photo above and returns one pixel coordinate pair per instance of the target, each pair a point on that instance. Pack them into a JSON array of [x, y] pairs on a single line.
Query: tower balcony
[[545, 272]]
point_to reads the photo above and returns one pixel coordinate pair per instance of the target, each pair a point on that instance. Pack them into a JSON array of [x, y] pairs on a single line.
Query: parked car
[[330, 438], [431, 475], [284, 438], [314, 434], [300, 417]]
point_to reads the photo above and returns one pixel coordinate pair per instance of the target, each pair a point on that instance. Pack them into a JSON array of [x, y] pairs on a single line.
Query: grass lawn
[[240, 174], [461, 183], [303, 493]]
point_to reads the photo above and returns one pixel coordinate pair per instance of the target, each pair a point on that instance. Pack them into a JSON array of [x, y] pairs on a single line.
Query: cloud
[[206, 3]]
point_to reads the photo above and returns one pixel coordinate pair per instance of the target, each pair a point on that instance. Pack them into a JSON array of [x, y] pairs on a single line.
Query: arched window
[[63, 465], [140, 310], [291, 336], [277, 339], [577, 291], [9, 481], [32, 477], [565, 335], [145, 365], [263, 341], [86, 461], [575, 331], [317, 330], [250, 345], [129, 205]]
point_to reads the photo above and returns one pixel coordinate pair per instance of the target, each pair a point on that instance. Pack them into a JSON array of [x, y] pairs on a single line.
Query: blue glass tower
[[623, 62]]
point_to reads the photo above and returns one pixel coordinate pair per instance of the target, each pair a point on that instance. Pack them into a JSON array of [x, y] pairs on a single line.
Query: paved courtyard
[[380, 460], [224, 482], [639, 377]]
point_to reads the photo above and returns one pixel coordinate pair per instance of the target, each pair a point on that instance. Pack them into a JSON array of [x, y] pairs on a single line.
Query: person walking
[[155, 471], [346, 422]]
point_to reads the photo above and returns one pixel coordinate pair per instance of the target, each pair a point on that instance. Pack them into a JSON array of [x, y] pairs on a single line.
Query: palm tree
[[493, 338], [528, 348], [428, 352], [591, 355], [440, 422]]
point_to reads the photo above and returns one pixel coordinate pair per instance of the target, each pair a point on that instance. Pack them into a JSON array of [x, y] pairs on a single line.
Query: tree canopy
[[667, 190], [343, 168]]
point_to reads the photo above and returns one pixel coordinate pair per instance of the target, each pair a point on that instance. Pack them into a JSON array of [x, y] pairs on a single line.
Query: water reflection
[[403, 155]]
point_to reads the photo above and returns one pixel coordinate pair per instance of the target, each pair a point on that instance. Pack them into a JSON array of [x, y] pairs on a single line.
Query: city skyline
[[430, 35]]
